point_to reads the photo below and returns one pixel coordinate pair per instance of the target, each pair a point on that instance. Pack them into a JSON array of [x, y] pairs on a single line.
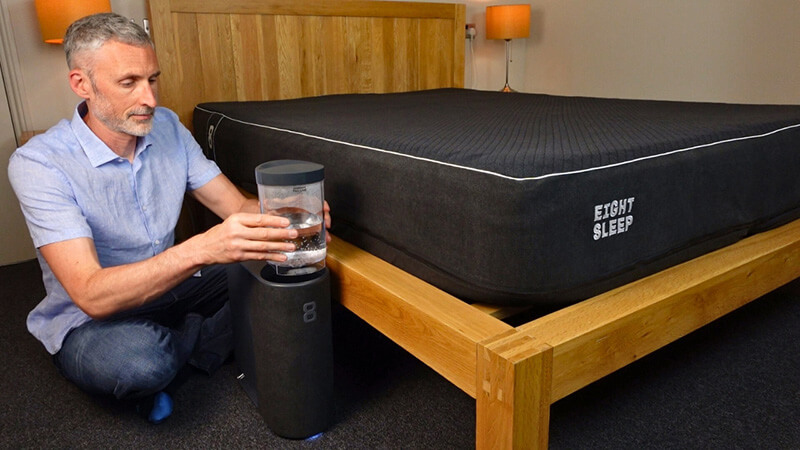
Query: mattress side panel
[[553, 240]]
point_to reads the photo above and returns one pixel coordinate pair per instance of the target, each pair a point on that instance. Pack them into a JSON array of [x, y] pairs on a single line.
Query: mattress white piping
[[540, 177]]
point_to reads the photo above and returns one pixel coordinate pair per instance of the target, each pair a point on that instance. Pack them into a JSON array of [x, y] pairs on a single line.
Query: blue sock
[[162, 408]]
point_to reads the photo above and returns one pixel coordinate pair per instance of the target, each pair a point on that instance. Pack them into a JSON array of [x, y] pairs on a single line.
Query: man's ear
[[80, 83]]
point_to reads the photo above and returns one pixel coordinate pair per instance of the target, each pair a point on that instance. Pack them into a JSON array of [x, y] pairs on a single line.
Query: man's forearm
[[101, 292], [251, 205]]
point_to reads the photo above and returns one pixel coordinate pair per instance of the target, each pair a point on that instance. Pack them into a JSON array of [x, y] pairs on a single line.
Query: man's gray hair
[[91, 32]]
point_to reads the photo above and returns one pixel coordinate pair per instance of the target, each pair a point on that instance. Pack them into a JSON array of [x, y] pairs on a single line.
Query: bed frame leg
[[514, 374]]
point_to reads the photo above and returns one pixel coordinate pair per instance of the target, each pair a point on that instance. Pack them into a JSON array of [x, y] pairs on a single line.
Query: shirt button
[[158, 242], [144, 208]]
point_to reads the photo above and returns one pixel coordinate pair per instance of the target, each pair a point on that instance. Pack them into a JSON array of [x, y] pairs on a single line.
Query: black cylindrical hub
[[284, 347]]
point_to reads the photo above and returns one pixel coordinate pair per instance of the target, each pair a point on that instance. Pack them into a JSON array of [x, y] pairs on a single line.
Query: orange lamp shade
[[508, 21], [56, 15]]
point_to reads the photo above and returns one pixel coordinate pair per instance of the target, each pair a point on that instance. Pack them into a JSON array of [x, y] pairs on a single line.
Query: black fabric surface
[[732, 384], [524, 135], [620, 188]]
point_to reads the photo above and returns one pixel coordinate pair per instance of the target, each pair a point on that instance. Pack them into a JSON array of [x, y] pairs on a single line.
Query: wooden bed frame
[[223, 50]]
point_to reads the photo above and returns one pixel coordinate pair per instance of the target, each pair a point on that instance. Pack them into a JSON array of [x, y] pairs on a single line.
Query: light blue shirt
[[71, 185]]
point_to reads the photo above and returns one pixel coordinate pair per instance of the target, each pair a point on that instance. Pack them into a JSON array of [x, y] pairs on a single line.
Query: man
[[125, 310]]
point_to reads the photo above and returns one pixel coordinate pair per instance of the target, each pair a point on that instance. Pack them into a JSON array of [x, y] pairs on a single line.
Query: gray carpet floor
[[732, 384]]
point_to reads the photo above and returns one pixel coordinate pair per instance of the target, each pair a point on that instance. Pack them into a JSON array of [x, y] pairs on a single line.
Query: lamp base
[[507, 88]]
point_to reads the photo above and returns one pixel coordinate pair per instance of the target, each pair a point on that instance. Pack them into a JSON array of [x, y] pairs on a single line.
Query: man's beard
[[125, 124], [104, 112], [138, 127]]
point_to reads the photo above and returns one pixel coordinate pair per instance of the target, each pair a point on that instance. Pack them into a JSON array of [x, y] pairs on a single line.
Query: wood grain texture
[[268, 50], [598, 336], [514, 385], [437, 328]]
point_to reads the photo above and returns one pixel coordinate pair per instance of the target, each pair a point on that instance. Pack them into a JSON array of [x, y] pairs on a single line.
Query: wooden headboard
[[225, 50]]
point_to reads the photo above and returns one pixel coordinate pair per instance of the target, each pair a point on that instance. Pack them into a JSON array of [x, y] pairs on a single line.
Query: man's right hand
[[247, 236]]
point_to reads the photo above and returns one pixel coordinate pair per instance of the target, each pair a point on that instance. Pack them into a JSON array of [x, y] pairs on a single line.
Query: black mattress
[[525, 199]]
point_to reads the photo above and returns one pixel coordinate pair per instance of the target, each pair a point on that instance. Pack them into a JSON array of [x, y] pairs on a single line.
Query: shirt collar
[[94, 148]]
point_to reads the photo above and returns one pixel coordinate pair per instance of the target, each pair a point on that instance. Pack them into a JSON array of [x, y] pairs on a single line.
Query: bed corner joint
[[514, 377]]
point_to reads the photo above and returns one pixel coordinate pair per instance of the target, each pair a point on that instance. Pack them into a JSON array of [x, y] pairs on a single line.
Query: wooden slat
[[189, 66], [358, 52], [287, 36], [163, 32], [215, 50], [458, 28], [269, 62], [434, 72], [600, 335], [340, 54], [247, 41], [379, 65], [397, 35]]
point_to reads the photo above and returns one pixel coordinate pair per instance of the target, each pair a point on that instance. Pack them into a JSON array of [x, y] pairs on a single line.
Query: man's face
[[124, 91]]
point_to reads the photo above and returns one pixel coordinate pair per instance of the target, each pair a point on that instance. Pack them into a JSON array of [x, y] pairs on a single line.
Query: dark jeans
[[139, 352]]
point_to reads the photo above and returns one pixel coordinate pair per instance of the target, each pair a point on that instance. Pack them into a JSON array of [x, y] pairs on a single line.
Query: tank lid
[[288, 172]]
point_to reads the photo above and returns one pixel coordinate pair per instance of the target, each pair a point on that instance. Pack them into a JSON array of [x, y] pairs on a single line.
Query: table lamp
[[508, 22], [56, 15]]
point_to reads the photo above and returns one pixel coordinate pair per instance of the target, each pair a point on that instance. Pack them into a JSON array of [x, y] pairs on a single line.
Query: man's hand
[[224, 199], [327, 213], [247, 236]]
